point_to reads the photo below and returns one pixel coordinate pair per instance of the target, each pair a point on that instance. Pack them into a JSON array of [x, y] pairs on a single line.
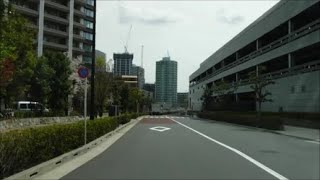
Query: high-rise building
[[166, 81], [61, 25], [139, 72], [122, 64]]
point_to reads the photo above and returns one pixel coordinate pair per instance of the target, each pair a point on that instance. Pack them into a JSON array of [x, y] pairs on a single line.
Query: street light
[[92, 104]]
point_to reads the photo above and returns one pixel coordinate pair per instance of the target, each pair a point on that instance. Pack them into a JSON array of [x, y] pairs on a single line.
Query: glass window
[[87, 48], [90, 2], [87, 36], [88, 24], [23, 106], [88, 12]]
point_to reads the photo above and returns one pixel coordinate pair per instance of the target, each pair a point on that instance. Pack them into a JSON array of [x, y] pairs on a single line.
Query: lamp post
[[92, 104]]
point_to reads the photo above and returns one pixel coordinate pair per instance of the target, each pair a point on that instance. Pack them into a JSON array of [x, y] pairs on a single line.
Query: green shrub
[[24, 148]]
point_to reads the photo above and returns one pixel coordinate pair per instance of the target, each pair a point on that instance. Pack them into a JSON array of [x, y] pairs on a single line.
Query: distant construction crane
[[127, 40]]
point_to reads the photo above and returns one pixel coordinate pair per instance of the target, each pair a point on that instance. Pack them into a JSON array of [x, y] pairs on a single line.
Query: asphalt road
[[198, 149]]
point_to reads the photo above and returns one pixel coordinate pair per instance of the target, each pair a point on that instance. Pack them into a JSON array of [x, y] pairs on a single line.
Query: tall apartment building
[[166, 81], [122, 64], [139, 72], [285, 40], [61, 25]]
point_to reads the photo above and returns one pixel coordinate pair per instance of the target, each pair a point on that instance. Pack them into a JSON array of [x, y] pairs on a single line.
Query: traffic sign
[[83, 72]]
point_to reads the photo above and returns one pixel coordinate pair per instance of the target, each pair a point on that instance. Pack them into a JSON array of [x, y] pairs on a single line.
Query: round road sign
[[83, 72]]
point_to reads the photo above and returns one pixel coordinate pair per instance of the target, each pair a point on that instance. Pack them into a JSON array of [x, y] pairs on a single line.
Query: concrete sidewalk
[[301, 132]]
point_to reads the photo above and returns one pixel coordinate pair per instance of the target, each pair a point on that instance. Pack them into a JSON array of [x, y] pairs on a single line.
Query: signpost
[[83, 73]]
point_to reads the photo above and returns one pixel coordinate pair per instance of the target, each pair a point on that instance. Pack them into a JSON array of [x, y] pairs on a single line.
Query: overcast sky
[[190, 30]]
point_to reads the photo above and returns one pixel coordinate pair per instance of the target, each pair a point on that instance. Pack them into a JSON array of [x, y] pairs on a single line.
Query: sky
[[189, 31]]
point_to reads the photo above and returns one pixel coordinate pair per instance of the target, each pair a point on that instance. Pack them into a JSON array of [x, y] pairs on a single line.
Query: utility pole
[[93, 64]]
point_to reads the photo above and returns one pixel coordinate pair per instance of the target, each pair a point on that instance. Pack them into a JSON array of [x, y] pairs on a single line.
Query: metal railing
[[275, 44], [304, 68]]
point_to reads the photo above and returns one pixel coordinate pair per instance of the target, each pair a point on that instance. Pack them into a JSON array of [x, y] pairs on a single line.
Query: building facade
[[131, 81], [166, 81], [285, 40], [122, 64], [61, 25], [151, 88], [139, 72], [182, 100]]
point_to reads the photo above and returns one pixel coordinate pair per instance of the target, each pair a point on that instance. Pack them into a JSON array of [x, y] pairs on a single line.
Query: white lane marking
[[314, 142], [270, 171]]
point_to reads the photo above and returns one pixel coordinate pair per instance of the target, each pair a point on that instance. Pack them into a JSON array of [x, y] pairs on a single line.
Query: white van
[[29, 106]]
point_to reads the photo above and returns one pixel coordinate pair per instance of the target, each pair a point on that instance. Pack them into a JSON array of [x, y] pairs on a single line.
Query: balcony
[[55, 32], [79, 13], [55, 46], [82, 2], [25, 10], [55, 19], [78, 37], [57, 6], [78, 50], [79, 25]]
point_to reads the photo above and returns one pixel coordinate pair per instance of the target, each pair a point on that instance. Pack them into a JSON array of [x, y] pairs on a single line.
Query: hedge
[[25, 148], [273, 122]]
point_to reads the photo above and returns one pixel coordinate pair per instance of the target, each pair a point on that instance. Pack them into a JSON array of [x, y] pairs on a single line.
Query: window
[[90, 2], [87, 36], [88, 12], [303, 88], [88, 24], [23, 106], [87, 48]]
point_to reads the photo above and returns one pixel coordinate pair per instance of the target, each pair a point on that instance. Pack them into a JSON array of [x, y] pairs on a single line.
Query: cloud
[[129, 14], [226, 18]]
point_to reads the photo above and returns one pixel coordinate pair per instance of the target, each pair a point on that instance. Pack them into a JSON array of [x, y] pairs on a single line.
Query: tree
[[124, 97], [40, 81], [207, 98], [136, 97], [16, 46], [59, 83], [103, 82], [259, 83], [222, 90]]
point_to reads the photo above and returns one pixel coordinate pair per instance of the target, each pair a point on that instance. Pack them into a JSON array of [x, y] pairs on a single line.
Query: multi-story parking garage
[[286, 40]]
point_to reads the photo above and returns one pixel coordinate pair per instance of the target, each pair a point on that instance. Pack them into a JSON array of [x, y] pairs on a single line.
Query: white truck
[[156, 108]]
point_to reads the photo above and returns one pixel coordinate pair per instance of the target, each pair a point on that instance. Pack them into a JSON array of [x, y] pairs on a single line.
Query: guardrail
[[275, 44]]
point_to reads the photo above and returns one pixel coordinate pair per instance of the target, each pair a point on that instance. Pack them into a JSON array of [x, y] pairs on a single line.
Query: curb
[[57, 161], [261, 129]]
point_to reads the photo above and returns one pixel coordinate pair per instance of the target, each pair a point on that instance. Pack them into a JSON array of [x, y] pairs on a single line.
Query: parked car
[[29, 106]]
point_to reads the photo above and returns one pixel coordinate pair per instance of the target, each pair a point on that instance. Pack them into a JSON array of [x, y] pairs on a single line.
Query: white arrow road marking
[[160, 128]]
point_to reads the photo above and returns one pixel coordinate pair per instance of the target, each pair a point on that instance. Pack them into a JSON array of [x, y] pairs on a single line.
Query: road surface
[[187, 148]]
